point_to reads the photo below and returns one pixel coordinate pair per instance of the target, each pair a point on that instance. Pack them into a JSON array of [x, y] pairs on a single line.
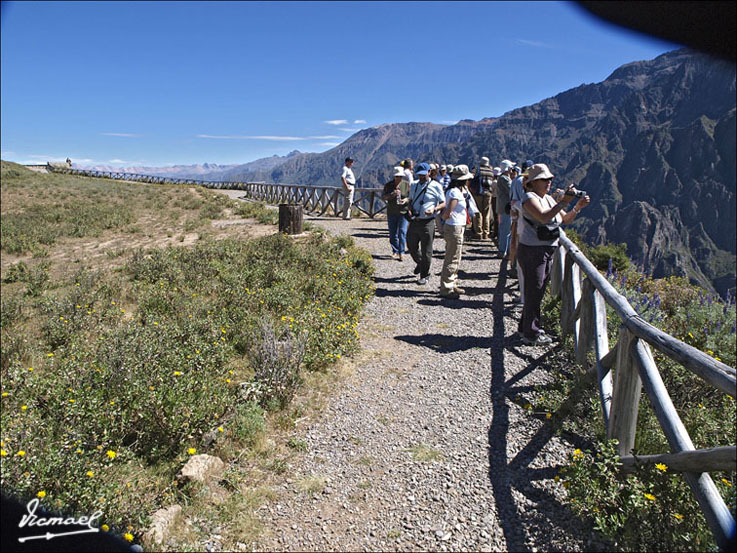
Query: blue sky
[[163, 83]]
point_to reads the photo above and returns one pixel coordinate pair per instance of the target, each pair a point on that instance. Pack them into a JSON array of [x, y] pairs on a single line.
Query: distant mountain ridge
[[653, 144], [205, 171]]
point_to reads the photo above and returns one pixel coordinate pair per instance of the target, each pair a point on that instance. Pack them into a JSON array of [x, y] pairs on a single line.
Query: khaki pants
[[453, 249], [483, 219], [348, 201]]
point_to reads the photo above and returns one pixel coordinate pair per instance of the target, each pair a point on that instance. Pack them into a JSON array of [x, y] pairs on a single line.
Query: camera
[[575, 193]]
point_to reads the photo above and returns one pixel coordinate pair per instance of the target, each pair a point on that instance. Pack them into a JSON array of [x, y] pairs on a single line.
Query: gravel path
[[428, 446]]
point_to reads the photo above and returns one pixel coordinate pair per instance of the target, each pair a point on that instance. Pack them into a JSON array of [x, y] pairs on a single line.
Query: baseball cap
[[422, 169]]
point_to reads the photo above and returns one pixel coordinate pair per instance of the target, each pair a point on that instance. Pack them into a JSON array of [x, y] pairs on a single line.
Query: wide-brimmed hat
[[539, 171], [422, 169], [497, 171], [506, 165], [484, 161], [433, 167], [398, 172], [461, 172]]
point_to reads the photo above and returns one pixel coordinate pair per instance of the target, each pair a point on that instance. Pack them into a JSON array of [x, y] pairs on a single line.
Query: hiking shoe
[[417, 269], [399, 257], [422, 281], [460, 290], [541, 340], [396, 256]]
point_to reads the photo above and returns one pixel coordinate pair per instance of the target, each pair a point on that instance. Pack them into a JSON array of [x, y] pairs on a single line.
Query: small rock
[[162, 523], [202, 468]]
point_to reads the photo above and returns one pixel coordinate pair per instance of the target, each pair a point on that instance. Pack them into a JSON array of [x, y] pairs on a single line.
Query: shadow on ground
[[510, 476]]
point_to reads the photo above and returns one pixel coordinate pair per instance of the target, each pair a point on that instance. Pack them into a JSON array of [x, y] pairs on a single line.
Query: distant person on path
[[426, 198], [396, 196], [517, 191], [408, 165], [482, 197], [349, 186], [444, 177], [69, 162], [459, 209], [541, 218], [503, 185]]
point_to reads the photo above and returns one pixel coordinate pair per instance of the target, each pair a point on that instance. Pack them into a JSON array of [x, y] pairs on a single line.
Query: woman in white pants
[[458, 205]]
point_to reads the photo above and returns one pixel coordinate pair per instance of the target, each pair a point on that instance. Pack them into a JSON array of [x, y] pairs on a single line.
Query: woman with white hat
[[540, 218], [395, 194], [459, 209]]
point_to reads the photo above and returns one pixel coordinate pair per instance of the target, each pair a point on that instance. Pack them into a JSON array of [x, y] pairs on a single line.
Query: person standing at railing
[[503, 185], [349, 185], [396, 197], [540, 217]]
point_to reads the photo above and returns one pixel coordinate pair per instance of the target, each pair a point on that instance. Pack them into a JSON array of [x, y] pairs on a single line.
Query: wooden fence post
[[570, 294], [626, 400], [556, 273], [585, 341]]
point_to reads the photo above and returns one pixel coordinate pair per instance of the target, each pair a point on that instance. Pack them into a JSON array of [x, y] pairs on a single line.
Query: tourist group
[[512, 205]]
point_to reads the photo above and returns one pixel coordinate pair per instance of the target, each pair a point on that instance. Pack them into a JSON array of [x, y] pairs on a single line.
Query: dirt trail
[[427, 445]]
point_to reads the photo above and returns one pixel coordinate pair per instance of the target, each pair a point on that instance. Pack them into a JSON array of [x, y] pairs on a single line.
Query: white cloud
[[124, 162], [349, 130], [245, 137], [359, 122], [125, 134], [534, 43], [330, 144], [326, 137], [448, 122], [337, 122]]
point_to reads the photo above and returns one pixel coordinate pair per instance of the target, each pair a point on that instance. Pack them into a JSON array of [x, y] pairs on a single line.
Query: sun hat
[[422, 169], [506, 165], [539, 171], [497, 171], [433, 167], [461, 172], [484, 161], [398, 172]]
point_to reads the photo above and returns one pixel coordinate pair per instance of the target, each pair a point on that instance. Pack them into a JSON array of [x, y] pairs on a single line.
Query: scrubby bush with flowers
[[120, 374], [653, 509]]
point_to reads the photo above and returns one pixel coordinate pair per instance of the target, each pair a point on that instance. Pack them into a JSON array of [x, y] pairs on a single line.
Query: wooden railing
[[314, 199], [583, 313]]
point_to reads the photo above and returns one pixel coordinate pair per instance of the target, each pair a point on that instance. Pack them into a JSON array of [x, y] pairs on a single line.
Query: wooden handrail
[[583, 313], [314, 199]]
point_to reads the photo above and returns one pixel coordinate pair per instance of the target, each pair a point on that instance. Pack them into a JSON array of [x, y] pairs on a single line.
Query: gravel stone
[[454, 463]]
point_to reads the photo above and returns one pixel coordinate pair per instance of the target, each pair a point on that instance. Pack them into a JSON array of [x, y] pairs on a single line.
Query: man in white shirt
[[349, 185]]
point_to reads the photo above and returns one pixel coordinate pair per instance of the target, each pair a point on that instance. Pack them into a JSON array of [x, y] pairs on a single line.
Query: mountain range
[[653, 145]]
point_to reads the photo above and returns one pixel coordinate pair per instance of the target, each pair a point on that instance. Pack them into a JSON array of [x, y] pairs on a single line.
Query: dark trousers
[[419, 243], [535, 262]]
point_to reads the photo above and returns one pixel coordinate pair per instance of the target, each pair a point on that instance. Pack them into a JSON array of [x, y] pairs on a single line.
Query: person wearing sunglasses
[[541, 216]]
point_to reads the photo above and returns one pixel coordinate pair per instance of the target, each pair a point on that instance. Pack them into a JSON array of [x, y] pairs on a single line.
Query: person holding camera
[[541, 216], [426, 199]]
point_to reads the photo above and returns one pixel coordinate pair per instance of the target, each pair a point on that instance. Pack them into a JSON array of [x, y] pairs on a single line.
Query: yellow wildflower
[[548, 415], [678, 516], [21, 453], [105, 528], [177, 373], [191, 451], [661, 467], [3, 453], [90, 473], [650, 496], [726, 482], [220, 429], [30, 369], [111, 453], [128, 536], [23, 407], [41, 494]]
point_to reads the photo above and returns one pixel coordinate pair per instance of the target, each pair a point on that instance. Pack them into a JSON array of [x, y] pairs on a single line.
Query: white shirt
[[458, 215], [348, 175]]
